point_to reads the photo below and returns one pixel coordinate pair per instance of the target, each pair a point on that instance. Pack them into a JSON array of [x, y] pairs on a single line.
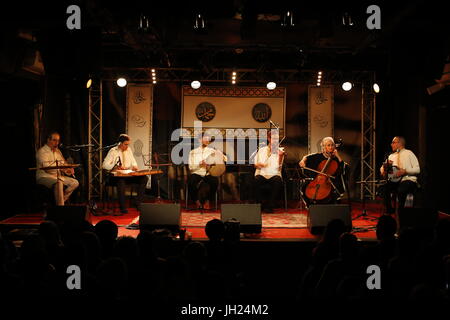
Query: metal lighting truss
[[95, 159]]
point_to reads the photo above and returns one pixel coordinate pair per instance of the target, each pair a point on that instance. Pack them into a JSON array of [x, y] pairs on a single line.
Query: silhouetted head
[[386, 227], [145, 243], [215, 229], [334, 229], [92, 247], [112, 278], [348, 245], [49, 232], [106, 231], [195, 252], [126, 248]]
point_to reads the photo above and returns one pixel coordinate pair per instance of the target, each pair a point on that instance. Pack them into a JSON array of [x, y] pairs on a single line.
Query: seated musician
[[121, 158], [312, 161], [62, 181], [268, 164], [408, 168], [202, 185]]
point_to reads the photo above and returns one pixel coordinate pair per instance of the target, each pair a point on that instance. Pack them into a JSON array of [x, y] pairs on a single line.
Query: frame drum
[[216, 162]]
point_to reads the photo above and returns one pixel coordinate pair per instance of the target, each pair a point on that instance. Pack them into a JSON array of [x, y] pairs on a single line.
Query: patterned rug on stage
[[269, 220]]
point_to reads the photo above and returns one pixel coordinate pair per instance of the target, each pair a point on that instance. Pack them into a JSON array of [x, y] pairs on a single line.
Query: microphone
[[339, 143], [111, 145]]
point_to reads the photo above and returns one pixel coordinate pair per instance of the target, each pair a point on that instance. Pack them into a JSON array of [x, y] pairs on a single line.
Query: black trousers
[[399, 189], [202, 188], [267, 189], [139, 181]]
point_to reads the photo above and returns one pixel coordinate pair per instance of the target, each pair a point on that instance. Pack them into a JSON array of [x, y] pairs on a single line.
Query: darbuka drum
[[216, 162]]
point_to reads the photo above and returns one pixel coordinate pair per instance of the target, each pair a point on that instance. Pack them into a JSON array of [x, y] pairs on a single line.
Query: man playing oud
[[401, 170]]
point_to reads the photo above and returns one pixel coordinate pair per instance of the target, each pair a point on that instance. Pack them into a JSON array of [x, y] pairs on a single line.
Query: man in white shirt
[[122, 158], [61, 180], [202, 186], [408, 169], [268, 164]]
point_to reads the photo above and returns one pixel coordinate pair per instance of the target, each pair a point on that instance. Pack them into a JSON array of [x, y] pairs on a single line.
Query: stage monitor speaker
[[320, 214], [248, 215], [160, 216], [420, 218], [68, 216]]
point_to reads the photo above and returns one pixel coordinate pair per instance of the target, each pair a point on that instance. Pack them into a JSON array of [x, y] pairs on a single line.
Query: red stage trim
[[285, 233]]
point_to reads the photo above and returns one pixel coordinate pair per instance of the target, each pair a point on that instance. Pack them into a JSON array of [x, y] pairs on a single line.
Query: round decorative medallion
[[205, 111], [261, 112]]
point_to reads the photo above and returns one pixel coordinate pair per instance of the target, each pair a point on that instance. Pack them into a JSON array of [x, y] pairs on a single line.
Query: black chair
[[43, 197], [283, 194], [186, 192]]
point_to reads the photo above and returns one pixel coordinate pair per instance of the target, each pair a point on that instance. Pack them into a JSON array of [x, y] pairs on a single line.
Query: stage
[[281, 225]]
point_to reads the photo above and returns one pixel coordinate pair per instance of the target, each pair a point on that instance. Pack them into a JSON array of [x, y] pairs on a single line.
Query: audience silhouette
[[162, 269]]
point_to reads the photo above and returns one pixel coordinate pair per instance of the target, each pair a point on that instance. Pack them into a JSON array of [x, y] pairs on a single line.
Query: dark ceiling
[[237, 34]]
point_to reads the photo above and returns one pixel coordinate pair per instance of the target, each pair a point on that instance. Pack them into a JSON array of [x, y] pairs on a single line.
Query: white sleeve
[[192, 166], [258, 157], [44, 159], [40, 159], [414, 168], [109, 161], [133, 159]]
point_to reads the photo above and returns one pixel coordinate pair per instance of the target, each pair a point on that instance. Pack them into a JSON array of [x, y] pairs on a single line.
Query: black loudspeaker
[[420, 218], [320, 214], [160, 216], [248, 215], [68, 216]]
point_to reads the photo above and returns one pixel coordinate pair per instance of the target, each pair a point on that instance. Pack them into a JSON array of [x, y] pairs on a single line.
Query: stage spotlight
[[121, 82], [195, 84], [271, 85], [288, 19], [376, 88], [88, 83], [347, 19], [199, 23], [347, 86], [233, 77]]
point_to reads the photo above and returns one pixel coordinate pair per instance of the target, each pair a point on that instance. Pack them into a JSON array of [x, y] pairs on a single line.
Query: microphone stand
[[158, 198], [148, 163], [364, 211]]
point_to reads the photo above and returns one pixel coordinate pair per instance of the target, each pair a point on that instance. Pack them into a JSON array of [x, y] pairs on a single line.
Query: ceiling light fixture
[[195, 84], [121, 82], [271, 85], [376, 88], [347, 86]]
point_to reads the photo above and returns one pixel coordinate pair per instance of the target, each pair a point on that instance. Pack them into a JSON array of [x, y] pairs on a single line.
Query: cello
[[321, 187]]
